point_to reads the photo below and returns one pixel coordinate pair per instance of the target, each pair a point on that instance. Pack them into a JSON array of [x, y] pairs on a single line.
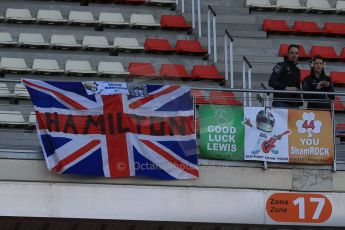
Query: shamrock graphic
[[309, 124]]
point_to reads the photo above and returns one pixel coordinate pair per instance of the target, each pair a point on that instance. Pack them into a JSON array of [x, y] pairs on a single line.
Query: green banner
[[221, 132]]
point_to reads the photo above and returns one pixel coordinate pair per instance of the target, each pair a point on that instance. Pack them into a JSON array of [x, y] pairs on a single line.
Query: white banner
[[266, 134]]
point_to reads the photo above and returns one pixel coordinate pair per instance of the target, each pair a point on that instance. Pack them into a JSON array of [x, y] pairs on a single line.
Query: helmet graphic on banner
[[221, 116], [265, 120]]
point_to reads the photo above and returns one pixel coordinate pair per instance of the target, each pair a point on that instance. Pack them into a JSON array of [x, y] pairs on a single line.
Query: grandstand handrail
[[210, 8], [247, 61], [209, 33], [199, 18], [193, 13], [228, 39], [249, 80], [182, 5], [239, 90], [229, 36]]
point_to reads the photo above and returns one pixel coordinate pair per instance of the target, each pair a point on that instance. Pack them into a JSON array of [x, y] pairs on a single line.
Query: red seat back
[[199, 97], [174, 22], [142, 69], [206, 72], [325, 51], [157, 45], [338, 105], [193, 46], [304, 74], [340, 127], [334, 28], [343, 53], [223, 98], [275, 26], [338, 77], [306, 27], [174, 70]]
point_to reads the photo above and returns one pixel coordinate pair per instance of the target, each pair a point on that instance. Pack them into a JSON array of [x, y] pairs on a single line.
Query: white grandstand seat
[[111, 69], [50, 17], [32, 40], [21, 91], [73, 67], [340, 7], [81, 18], [95, 43], [12, 118], [14, 65], [111, 19], [63, 42], [143, 20], [161, 2], [32, 119], [291, 5], [319, 6], [4, 92], [127, 44], [260, 4], [6, 39], [46, 66], [19, 16]]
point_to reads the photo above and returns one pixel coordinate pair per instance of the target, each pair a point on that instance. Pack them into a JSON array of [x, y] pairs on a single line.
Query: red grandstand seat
[[283, 51], [338, 78], [134, 2], [223, 98], [338, 105], [158, 45], [206, 72], [326, 52], [174, 22], [275, 26], [340, 127], [174, 71], [307, 28], [342, 55], [142, 69], [199, 97], [340, 132], [304, 74], [190, 47], [334, 28]]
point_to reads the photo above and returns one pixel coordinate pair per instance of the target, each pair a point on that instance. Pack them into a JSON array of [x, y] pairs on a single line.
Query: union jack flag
[[116, 135]]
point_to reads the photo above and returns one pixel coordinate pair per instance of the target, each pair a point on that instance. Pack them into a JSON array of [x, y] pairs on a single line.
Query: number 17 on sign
[[299, 208]]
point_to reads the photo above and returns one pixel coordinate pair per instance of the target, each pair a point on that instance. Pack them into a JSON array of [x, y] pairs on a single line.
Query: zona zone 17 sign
[[298, 207]]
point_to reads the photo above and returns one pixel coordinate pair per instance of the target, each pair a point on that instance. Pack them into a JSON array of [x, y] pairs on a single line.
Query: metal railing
[[25, 134], [247, 78], [266, 103], [195, 20], [210, 33], [229, 58]]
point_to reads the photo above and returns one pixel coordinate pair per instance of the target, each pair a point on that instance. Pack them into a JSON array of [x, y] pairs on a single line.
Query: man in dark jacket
[[286, 76]]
